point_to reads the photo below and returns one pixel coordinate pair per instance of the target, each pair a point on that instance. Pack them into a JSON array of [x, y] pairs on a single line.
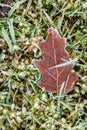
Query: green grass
[[23, 105]]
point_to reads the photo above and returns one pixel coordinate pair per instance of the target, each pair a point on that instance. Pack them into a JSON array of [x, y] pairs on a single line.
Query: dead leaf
[[5, 9], [53, 51]]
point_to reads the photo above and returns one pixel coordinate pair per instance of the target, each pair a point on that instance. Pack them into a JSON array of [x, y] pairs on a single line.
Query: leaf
[[55, 79]]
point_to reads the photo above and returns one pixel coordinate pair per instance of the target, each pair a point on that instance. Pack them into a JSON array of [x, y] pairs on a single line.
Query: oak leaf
[[54, 53]]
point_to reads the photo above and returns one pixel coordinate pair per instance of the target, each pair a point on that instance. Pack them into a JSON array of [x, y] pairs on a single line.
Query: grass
[[23, 105]]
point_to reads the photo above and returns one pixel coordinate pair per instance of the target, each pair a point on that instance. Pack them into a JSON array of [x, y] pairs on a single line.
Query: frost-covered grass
[[23, 105]]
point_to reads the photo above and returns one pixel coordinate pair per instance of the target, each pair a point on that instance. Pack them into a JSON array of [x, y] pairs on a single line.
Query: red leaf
[[53, 50]]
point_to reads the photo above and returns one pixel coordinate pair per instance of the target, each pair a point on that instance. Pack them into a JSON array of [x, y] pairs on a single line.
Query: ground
[[23, 105]]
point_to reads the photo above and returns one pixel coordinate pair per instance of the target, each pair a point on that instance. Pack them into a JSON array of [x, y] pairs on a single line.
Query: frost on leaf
[[54, 53]]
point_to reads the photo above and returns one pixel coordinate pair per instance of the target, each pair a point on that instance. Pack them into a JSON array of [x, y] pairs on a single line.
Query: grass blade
[[7, 39], [16, 6], [4, 5], [11, 29], [49, 19], [65, 63]]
